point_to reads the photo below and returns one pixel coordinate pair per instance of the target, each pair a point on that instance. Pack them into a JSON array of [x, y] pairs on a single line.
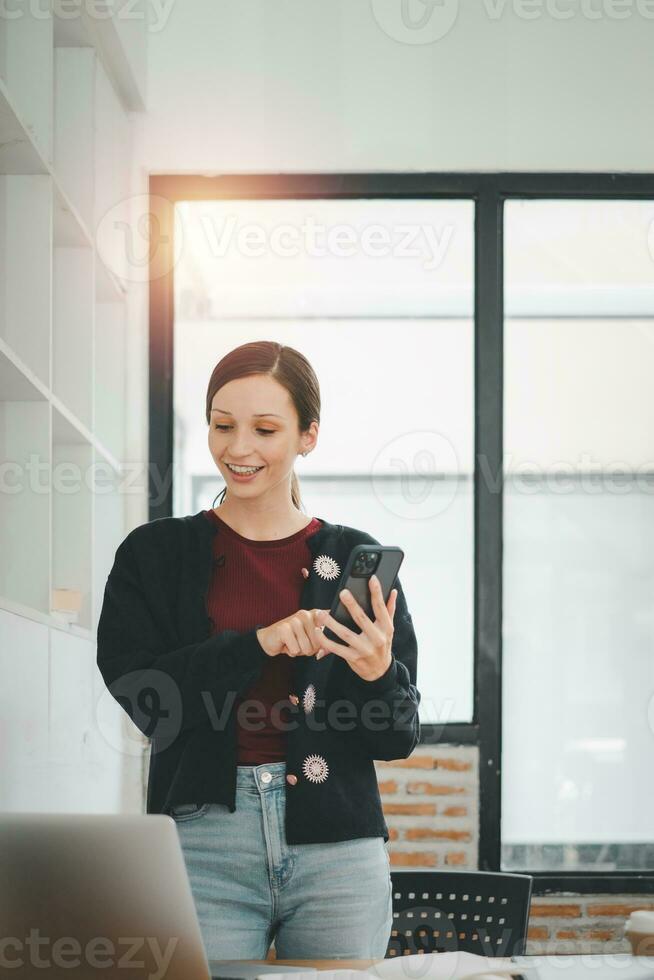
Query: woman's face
[[254, 423]]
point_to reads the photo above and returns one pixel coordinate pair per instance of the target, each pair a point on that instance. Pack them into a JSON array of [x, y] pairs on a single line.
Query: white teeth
[[243, 469]]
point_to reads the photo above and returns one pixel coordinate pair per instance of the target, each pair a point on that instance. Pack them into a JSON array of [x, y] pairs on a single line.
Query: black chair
[[483, 912]]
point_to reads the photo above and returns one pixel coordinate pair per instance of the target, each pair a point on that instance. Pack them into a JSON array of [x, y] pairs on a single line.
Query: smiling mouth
[[245, 471]]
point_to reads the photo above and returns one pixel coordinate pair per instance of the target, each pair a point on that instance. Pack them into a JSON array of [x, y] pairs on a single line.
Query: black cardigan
[[177, 682]]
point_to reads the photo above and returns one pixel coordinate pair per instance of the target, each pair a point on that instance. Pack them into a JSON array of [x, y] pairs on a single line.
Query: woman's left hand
[[369, 652]]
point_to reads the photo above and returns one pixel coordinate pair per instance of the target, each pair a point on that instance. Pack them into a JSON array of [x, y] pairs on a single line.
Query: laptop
[[587, 966], [101, 895]]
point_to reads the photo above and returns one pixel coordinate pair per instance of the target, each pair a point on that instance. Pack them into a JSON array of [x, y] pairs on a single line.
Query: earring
[[306, 453]]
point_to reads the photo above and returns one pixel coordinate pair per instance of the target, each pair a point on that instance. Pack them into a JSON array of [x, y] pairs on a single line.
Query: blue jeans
[[331, 900]]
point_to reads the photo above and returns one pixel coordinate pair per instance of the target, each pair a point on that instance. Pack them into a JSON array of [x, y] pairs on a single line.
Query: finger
[[317, 617], [375, 632], [314, 630], [304, 643], [315, 638], [377, 599], [347, 635], [384, 619], [289, 643], [330, 646], [359, 616]]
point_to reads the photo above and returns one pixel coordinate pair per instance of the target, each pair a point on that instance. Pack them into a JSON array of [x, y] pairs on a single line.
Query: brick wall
[[581, 923], [431, 805]]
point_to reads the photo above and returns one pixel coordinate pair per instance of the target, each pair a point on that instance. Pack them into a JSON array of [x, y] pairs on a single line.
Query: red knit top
[[255, 583]]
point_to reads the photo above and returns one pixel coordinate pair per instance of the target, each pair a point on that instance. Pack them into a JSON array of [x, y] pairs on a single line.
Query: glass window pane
[[578, 623], [378, 295]]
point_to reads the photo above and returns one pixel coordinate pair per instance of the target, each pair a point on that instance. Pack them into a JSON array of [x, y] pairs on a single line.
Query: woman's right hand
[[294, 635]]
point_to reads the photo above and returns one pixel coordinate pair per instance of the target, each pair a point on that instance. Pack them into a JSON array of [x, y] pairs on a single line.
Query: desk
[[328, 964], [315, 964], [561, 966]]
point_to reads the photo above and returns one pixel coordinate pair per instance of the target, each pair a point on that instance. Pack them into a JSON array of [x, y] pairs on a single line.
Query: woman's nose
[[240, 449]]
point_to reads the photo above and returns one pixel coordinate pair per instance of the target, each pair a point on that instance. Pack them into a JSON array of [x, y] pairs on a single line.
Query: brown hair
[[288, 367]]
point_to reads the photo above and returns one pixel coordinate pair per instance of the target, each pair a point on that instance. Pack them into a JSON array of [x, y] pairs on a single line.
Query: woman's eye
[[265, 432]]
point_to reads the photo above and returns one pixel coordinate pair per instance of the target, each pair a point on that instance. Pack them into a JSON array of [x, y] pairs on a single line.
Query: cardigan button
[[291, 779], [315, 768], [309, 699]]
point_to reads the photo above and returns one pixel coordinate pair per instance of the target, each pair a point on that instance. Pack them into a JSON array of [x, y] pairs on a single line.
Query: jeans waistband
[[258, 777]]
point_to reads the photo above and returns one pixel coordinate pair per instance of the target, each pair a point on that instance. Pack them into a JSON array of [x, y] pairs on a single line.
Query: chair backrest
[[482, 912]]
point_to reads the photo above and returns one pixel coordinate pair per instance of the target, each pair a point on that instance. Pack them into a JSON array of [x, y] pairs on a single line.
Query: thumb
[[317, 618]]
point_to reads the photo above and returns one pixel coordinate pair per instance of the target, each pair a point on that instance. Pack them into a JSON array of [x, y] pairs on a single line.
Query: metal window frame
[[488, 191]]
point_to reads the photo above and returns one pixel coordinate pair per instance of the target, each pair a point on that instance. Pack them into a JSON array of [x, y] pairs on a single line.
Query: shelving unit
[[68, 87]]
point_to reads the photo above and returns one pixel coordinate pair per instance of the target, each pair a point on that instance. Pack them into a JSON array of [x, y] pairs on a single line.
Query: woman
[[209, 616]]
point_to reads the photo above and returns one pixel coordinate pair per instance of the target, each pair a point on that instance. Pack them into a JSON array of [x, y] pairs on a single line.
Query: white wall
[[513, 84]]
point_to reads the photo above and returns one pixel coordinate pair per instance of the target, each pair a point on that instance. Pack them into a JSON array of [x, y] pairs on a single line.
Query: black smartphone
[[365, 560]]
